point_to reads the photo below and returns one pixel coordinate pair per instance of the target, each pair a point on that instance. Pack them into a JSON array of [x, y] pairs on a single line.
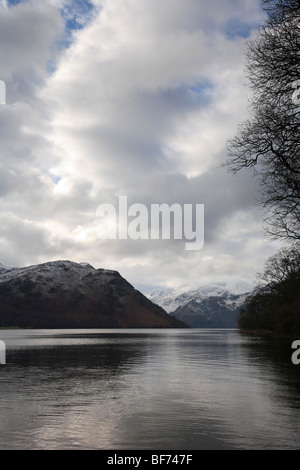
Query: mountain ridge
[[65, 294], [209, 306]]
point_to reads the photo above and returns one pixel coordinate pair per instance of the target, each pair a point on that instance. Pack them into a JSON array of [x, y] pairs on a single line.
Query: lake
[[147, 389]]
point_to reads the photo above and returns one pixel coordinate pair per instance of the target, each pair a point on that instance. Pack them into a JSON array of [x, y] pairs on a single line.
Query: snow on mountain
[[209, 306], [4, 268], [41, 272], [171, 298], [65, 294]]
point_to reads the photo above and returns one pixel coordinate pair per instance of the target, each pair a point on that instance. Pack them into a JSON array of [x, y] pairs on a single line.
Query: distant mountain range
[[64, 294], [208, 306]]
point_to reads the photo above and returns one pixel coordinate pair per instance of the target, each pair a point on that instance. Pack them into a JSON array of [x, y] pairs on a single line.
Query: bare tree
[[277, 9], [283, 269], [275, 305], [269, 141]]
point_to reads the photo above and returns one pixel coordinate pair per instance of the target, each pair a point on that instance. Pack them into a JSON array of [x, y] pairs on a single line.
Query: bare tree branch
[[269, 142]]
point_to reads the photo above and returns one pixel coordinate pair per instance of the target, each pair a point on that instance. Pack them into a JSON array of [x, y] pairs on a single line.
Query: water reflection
[[275, 364], [146, 389]]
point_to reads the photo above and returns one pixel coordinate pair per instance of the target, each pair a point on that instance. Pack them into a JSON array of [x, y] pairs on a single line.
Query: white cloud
[[140, 103], [27, 35]]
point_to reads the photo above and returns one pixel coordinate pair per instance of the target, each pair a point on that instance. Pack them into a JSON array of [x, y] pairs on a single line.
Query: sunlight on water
[[147, 389]]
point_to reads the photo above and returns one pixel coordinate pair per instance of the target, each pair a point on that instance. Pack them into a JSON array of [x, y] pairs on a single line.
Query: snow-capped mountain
[[4, 268], [64, 294], [211, 305], [172, 298]]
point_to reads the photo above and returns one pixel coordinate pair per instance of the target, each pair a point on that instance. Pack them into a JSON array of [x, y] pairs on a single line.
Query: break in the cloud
[[126, 97]]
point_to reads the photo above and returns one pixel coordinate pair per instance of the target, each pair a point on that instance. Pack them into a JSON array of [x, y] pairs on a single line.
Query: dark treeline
[[275, 305], [268, 144]]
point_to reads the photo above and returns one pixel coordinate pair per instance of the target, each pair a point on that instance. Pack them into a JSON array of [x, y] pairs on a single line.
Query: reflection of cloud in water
[[64, 383], [191, 389]]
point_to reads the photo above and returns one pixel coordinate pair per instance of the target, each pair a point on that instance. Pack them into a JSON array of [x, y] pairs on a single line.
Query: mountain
[[209, 306], [64, 294]]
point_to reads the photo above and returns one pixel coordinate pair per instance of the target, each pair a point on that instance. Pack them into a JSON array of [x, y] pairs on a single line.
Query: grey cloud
[[140, 105], [28, 33], [25, 242]]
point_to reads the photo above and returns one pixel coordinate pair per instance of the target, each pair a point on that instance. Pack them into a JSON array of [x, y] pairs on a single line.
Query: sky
[[135, 98]]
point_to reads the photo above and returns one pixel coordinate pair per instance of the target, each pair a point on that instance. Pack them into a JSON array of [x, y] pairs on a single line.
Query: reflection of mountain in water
[[88, 354], [147, 389]]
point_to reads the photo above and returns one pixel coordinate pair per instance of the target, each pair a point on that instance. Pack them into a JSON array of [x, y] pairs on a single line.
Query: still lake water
[[147, 389]]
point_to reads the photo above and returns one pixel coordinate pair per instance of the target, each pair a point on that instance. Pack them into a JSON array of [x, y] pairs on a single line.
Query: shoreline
[[269, 334]]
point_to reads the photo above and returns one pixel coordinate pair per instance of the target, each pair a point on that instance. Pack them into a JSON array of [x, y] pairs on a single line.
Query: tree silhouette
[[275, 306], [269, 141]]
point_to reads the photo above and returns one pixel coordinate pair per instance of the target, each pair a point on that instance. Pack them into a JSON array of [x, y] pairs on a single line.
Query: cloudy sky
[[136, 98]]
